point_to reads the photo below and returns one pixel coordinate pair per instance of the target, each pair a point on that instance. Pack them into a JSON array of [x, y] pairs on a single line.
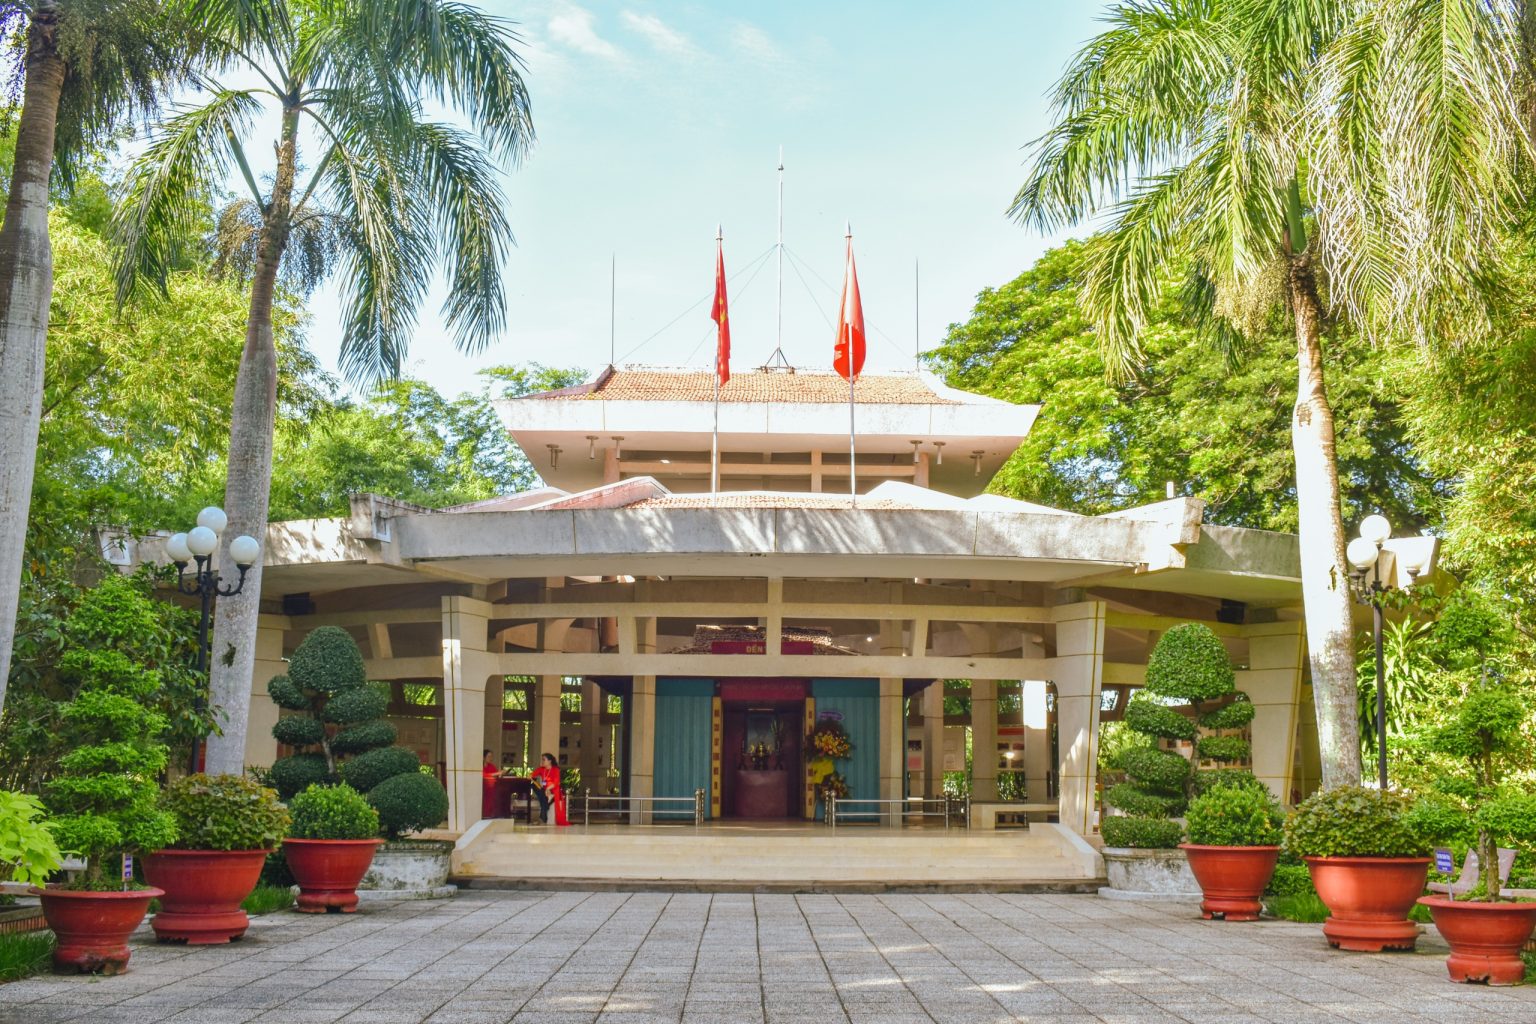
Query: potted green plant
[[329, 846], [1188, 668], [1234, 843], [1367, 862], [28, 854], [405, 867], [104, 801], [1489, 730], [226, 825]]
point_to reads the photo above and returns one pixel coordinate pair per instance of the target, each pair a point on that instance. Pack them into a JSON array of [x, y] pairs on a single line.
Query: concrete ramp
[[790, 857]]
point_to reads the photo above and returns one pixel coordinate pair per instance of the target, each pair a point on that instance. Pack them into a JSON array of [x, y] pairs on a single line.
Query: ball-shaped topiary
[[1145, 715], [409, 803], [1234, 816], [1190, 662], [367, 770], [327, 662], [332, 812], [295, 774]]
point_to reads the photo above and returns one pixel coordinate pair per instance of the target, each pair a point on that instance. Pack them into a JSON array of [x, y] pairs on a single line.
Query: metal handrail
[[697, 802], [911, 807]]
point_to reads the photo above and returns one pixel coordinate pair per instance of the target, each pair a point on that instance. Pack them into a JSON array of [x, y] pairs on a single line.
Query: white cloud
[[659, 34], [577, 28], [755, 43]]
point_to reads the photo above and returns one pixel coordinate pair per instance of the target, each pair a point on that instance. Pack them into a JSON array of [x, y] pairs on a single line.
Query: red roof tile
[[809, 386]]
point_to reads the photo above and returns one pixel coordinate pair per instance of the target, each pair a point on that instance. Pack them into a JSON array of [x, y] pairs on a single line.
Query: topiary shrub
[[1189, 665], [332, 812], [409, 803], [224, 812], [1291, 880], [1352, 821], [1234, 816], [1142, 833], [340, 730]]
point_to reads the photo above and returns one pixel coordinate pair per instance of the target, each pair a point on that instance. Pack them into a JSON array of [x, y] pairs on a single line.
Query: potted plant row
[[226, 825]]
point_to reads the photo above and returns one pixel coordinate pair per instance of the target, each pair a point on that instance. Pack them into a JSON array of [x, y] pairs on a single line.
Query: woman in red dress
[[547, 778]]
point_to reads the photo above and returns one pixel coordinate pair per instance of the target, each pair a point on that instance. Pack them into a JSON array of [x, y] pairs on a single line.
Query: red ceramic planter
[[203, 892], [92, 928], [1232, 878], [328, 871], [1370, 898], [1485, 938]]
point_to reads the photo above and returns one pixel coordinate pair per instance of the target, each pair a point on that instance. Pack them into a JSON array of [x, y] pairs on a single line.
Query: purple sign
[[1445, 863]]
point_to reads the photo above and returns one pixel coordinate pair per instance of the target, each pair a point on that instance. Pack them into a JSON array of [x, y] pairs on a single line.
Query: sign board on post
[[127, 869], [1445, 863]]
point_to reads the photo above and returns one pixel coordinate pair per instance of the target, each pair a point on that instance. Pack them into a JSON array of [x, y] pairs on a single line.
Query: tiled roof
[[809, 386]]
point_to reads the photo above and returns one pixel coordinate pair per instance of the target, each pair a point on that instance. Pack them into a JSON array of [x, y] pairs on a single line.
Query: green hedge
[[1141, 833], [1146, 715], [1223, 748], [1142, 802], [1159, 769], [1191, 662], [1229, 716]]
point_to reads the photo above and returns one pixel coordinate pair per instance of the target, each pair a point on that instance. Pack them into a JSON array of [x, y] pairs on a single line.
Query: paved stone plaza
[[638, 958]]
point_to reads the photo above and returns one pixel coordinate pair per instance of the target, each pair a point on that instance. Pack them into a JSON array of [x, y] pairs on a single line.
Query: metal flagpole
[[778, 341], [613, 292], [714, 453], [853, 483], [917, 316]]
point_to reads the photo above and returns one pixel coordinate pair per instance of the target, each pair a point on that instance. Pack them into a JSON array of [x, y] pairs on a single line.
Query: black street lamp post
[[1371, 582], [198, 545]]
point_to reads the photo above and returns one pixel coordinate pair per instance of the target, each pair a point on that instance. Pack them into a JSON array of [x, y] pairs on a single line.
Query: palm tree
[[387, 196], [1203, 106], [81, 68]]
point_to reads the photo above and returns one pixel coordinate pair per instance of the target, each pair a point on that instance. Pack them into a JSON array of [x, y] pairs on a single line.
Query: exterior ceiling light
[[618, 445], [554, 456], [591, 447], [938, 446], [976, 458], [915, 446]]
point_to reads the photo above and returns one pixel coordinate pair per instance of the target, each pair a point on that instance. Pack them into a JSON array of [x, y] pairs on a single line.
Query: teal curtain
[[683, 721], [858, 701]]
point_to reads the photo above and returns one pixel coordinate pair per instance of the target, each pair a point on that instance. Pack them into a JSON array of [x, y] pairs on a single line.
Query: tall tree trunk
[[26, 286], [248, 484], [1324, 577]]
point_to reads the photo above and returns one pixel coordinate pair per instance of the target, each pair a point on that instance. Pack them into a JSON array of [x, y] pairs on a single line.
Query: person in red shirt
[[490, 770], [546, 781]]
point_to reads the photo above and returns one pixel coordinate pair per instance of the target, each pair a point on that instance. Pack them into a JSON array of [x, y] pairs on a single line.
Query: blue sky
[[656, 121]]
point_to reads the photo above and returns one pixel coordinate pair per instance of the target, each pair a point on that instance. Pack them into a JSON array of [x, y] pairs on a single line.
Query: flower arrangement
[[834, 785], [830, 739]]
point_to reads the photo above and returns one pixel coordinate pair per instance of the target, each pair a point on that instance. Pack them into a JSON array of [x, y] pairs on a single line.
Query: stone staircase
[[789, 857]]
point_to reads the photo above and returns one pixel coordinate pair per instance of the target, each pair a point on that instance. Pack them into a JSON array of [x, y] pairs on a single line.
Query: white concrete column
[[466, 667], [893, 748], [591, 729], [1078, 672], [642, 727], [493, 732], [1037, 741], [933, 740], [260, 747], [984, 739], [1276, 659], [546, 718]]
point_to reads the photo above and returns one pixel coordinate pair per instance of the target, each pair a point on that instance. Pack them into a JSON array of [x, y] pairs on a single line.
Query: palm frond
[[188, 158]]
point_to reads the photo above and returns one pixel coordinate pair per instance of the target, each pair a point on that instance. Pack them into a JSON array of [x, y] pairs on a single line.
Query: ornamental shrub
[[1208, 779], [104, 799], [1142, 833], [340, 730], [28, 853], [1235, 816], [409, 803], [332, 812], [1291, 880], [224, 812], [1352, 821], [1189, 666]]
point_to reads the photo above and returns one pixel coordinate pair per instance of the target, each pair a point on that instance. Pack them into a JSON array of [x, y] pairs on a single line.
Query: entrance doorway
[[762, 766]]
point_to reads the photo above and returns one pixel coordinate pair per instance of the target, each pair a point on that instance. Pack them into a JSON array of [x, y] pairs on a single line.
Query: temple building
[[674, 642]]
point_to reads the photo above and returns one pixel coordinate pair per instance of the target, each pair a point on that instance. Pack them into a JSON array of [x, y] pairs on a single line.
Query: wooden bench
[[992, 813]]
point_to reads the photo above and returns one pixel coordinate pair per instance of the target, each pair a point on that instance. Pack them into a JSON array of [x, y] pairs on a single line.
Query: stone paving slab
[[698, 958]]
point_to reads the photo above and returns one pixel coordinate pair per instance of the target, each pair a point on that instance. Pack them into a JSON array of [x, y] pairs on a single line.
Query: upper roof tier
[[780, 429]]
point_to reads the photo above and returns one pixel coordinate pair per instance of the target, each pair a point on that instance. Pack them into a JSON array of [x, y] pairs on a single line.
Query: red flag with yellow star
[[723, 346], [848, 351]]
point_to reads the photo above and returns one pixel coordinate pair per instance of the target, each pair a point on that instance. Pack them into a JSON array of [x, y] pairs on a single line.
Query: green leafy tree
[[1218, 427], [1180, 121], [387, 196], [81, 68]]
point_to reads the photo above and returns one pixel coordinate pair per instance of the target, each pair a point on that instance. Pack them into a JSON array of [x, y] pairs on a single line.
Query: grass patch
[[1304, 907], [1421, 914], [1530, 966], [24, 953], [266, 899]]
